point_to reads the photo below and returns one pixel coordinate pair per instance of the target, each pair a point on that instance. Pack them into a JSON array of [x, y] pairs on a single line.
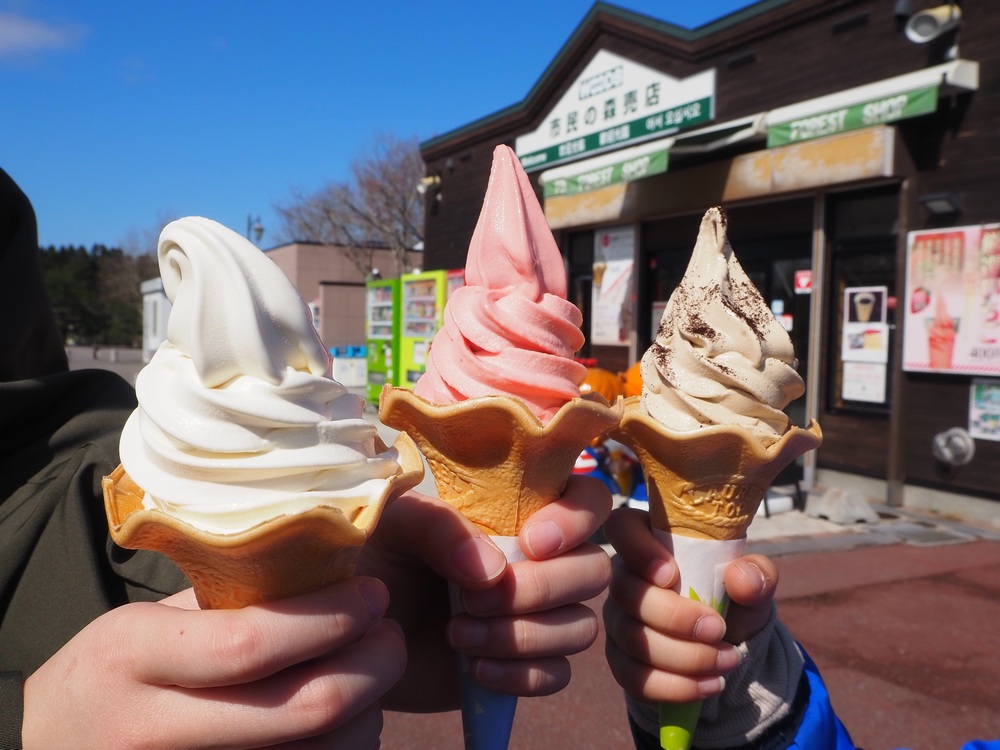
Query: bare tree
[[141, 244], [379, 208]]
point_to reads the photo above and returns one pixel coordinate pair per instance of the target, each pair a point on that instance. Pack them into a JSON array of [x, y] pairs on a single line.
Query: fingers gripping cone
[[282, 557], [497, 464], [705, 487]]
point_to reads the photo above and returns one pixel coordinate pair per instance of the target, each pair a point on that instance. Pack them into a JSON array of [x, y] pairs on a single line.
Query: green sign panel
[[662, 123], [875, 112], [624, 171]]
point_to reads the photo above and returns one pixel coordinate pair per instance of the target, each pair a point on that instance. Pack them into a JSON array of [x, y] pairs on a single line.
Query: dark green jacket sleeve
[[59, 435], [58, 569], [11, 710]]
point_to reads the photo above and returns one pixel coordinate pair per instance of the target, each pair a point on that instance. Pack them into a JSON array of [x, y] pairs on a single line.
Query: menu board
[[952, 311]]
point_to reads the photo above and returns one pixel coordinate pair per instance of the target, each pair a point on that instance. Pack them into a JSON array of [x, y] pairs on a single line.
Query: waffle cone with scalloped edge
[[491, 457], [282, 557], [708, 483]]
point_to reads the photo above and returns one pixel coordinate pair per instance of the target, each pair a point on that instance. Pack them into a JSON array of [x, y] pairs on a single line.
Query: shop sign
[[804, 281], [610, 174], [616, 102], [875, 112], [952, 305]]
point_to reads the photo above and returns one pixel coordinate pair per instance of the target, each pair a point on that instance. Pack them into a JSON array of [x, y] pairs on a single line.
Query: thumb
[[751, 583], [435, 533]]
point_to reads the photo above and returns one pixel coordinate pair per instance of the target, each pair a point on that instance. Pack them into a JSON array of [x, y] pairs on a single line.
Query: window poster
[[952, 310], [984, 409], [864, 381], [865, 330], [611, 292]]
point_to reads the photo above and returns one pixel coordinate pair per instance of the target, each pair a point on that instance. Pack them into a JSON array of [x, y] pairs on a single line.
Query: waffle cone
[[708, 483], [282, 557], [491, 457]]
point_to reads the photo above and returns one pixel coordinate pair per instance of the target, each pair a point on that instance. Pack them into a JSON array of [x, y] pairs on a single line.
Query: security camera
[[928, 25]]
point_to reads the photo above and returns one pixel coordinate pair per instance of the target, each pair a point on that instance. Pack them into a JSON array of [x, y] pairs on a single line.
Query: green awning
[[648, 159], [611, 168], [722, 134], [880, 103]]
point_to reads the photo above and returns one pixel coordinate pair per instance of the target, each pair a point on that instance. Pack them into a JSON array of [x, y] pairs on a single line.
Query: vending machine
[[382, 323], [456, 279], [422, 298]]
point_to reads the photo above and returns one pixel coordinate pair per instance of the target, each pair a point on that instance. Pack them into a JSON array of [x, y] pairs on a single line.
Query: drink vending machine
[[422, 298], [382, 323]]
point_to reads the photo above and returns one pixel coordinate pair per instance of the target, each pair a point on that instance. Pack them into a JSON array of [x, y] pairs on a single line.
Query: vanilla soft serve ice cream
[[720, 356], [238, 419]]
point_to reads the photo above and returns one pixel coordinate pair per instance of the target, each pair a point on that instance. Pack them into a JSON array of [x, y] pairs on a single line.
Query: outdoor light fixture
[[255, 228], [928, 25], [954, 447], [427, 183], [942, 204]]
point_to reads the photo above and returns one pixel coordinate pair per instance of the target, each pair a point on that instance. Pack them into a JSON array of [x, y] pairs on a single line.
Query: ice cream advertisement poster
[[865, 333], [611, 300], [984, 409], [952, 310]]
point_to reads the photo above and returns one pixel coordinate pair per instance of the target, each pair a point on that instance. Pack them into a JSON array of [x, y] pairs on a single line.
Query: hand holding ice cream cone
[[498, 412], [709, 427], [245, 462]]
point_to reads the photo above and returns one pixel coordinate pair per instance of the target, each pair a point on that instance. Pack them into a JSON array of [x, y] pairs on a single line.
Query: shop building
[[854, 146]]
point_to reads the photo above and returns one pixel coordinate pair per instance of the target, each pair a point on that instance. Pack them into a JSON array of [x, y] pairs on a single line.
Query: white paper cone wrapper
[[701, 566], [487, 716]]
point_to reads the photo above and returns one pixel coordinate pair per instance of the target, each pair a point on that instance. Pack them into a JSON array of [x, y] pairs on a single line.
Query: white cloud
[[22, 37]]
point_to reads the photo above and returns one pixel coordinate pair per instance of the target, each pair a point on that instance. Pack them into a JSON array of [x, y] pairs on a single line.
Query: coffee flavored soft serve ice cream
[[720, 356], [498, 412], [243, 452]]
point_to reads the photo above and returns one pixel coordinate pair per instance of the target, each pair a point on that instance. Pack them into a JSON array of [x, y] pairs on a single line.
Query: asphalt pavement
[[900, 613]]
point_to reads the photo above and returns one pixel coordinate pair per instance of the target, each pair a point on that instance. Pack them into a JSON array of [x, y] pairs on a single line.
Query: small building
[[331, 284], [334, 286], [853, 144], [155, 314]]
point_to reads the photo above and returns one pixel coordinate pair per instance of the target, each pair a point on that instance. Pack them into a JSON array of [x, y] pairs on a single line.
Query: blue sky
[[120, 115]]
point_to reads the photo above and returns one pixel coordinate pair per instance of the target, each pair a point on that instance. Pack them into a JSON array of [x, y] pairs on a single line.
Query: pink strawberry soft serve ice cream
[[238, 420], [510, 330]]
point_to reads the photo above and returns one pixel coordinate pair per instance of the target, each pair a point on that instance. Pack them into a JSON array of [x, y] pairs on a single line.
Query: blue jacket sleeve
[[815, 726], [820, 729]]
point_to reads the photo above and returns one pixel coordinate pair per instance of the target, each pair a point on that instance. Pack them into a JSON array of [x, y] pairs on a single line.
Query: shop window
[[580, 254], [862, 307]]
